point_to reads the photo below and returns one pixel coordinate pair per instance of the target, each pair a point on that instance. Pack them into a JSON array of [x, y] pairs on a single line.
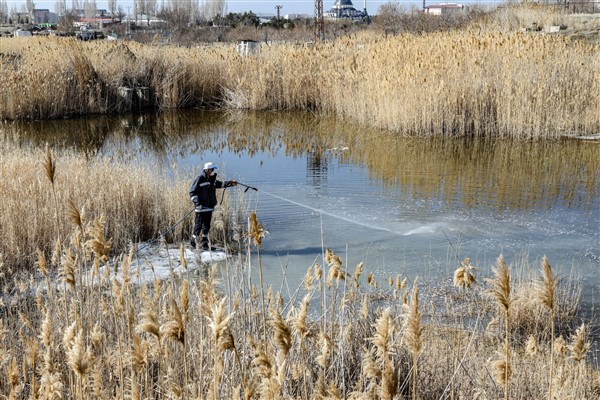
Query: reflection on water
[[476, 173]]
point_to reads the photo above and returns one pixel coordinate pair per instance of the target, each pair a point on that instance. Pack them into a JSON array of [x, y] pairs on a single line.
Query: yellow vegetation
[[470, 82]]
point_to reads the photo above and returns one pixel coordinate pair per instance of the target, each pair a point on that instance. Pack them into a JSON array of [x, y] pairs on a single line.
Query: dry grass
[[183, 338], [482, 81], [44, 194], [69, 334]]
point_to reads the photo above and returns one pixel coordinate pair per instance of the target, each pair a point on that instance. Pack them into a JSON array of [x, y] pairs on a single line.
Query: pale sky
[[256, 6]]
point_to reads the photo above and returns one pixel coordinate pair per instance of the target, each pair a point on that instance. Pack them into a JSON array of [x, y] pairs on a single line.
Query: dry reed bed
[[34, 212], [344, 334], [472, 82], [66, 334]]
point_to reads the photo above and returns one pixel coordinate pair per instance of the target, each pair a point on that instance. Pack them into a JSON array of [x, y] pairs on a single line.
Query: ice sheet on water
[[157, 262]]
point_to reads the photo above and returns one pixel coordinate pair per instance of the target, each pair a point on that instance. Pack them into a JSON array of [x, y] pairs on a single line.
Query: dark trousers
[[202, 225]]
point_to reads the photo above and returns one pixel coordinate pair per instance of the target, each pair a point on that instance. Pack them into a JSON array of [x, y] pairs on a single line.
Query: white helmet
[[209, 165]]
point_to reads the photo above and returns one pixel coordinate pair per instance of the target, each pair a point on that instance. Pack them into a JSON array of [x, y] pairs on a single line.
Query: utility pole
[[319, 22], [128, 19], [278, 8]]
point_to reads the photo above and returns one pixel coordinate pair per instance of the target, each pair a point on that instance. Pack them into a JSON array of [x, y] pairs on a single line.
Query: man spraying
[[204, 196]]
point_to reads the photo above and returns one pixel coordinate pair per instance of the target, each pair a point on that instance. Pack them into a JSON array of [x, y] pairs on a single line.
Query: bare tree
[[112, 8], [60, 7], [89, 8], [213, 8], [179, 13], [3, 11], [389, 17]]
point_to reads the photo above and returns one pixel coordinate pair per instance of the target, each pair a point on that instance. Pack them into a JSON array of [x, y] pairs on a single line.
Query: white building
[[443, 9]]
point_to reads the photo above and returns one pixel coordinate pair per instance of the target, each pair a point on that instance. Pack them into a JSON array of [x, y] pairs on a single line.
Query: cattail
[[579, 345]]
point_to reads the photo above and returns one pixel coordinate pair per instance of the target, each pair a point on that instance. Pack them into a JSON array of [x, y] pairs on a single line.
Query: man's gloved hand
[[198, 207], [231, 183]]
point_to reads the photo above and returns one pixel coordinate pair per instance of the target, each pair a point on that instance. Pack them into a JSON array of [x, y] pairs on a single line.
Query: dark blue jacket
[[204, 191]]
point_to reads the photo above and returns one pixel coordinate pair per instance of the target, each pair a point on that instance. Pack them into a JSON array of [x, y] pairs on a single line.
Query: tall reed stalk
[[257, 233], [501, 291], [546, 295]]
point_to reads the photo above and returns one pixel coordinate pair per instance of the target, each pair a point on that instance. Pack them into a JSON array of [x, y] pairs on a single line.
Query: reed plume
[[79, 357], [546, 295], [75, 215], [50, 170], [174, 328], [257, 233], [531, 347], [149, 324], [97, 242], [49, 165], [579, 345], [502, 371], [463, 276], [336, 270], [383, 342], [223, 340], [413, 334], [500, 290]]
